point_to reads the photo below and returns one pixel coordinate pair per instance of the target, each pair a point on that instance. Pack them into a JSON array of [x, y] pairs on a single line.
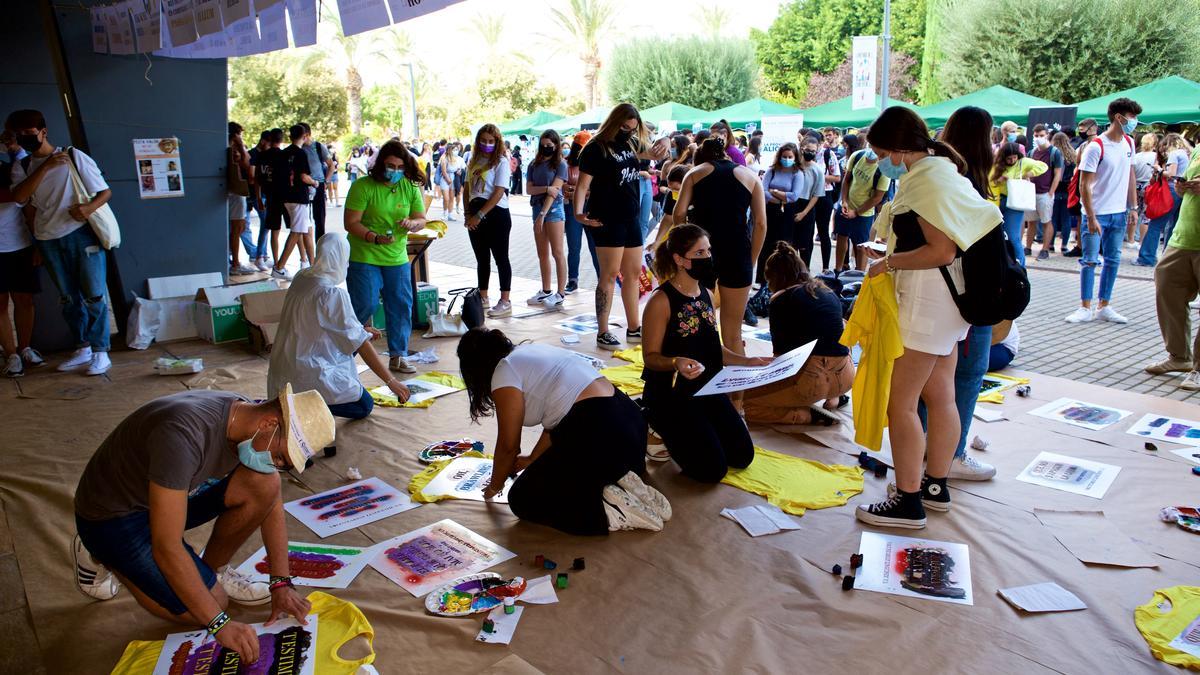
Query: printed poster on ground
[[1080, 476], [1169, 429], [1081, 413], [466, 478], [316, 565], [346, 508], [437, 554], [864, 51], [159, 168], [285, 648], [916, 568]]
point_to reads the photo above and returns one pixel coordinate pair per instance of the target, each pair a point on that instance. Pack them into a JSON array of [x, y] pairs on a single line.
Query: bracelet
[[887, 263], [280, 582], [217, 623]]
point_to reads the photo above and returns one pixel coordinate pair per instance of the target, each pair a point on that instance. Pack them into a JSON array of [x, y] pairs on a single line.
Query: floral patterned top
[[691, 332]]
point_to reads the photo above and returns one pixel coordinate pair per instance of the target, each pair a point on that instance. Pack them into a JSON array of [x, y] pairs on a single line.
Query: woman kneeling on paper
[[582, 475], [683, 351], [802, 310], [319, 335]]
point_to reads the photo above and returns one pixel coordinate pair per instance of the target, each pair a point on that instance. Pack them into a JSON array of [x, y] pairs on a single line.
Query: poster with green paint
[[316, 565]]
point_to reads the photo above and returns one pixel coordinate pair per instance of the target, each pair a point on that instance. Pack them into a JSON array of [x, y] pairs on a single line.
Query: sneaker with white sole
[[1191, 382], [608, 341], [553, 302], [1107, 313], [656, 449], [969, 468], [100, 365], [241, 270], [1169, 366], [538, 298], [633, 336], [935, 496], [657, 501], [901, 510], [32, 358], [630, 512], [14, 366], [277, 273], [1081, 315], [262, 265], [78, 358], [241, 588], [572, 286], [501, 309], [91, 578], [400, 364]]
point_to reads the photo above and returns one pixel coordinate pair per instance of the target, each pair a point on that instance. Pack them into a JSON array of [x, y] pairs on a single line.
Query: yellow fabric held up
[[339, 622], [418, 482], [389, 399], [996, 394], [1160, 627], [794, 484], [875, 326]]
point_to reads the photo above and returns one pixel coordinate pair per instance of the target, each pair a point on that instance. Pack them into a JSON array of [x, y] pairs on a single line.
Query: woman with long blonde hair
[[488, 220], [608, 169]]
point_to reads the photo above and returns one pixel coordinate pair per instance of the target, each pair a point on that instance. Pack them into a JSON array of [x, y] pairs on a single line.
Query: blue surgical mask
[[394, 175], [871, 156], [1130, 124], [787, 163], [566, 152], [1012, 138], [256, 460], [891, 170]]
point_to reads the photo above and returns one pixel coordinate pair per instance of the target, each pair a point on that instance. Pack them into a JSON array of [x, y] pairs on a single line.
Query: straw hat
[[309, 425]]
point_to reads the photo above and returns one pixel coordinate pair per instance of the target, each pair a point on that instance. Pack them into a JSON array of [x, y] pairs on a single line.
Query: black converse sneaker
[[902, 510], [934, 494]]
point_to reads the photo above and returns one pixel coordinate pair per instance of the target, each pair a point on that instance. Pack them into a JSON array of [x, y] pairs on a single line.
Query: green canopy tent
[[1003, 103], [683, 115], [567, 125], [839, 114], [1171, 100], [525, 125], [746, 112]]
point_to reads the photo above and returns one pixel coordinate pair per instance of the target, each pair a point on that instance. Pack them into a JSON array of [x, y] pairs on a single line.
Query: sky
[[445, 38]]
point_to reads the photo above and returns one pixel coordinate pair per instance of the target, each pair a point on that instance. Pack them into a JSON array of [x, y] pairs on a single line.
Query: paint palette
[[1186, 517], [436, 452], [473, 594]]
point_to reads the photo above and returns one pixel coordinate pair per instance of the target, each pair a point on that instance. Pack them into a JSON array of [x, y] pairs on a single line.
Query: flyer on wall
[[917, 568], [1080, 476], [316, 565], [285, 647], [740, 378], [159, 168], [345, 508], [434, 555]]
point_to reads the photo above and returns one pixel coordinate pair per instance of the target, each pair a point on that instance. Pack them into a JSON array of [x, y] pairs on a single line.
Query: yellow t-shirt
[[875, 325], [795, 484], [1174, 634]]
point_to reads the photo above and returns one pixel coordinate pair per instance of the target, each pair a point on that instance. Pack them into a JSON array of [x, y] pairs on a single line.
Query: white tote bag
[[103, 220], [1021, 195], [444, 324]]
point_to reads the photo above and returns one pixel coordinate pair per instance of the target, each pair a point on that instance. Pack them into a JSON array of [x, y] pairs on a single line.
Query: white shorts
[[237, 206], [301, 221], [1045, 207], [929, 320]]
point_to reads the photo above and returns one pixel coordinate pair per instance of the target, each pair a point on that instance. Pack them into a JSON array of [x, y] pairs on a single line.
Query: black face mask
[[809, 156], [703, 270], [623, 136], [546, 150], [29, 142]]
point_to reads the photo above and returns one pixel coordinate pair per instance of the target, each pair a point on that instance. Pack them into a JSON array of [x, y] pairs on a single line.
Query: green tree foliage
[[813, 36], [387, 105], [700, 72], [267, 91], [1069, 51]]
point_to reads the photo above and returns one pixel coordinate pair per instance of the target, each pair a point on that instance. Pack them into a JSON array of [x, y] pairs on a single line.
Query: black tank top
[[692, 333], [720, 204]]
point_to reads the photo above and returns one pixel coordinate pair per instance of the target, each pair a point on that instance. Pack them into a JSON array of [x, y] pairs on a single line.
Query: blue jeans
[[575, 234], [1174, 216], [1062, 220], [258, 249], [1148, 253], [1108, 244], [1000, 358], [1012, 227], [365, 282], [973, 353], [645, 201], [354, 410], [77, 265]]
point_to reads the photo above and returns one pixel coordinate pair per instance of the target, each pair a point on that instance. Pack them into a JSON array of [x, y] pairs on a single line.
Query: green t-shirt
[[383, 207], [863, 183], [1186, 234]]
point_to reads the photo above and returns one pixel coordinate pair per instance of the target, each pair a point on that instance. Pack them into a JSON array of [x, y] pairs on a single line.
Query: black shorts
[[276, 214], [17, 273], [734, 267], [618, 235]]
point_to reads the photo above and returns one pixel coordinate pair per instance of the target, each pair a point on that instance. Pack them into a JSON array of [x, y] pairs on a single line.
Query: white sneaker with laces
[[91, 578], [969, 468], [261, 265], [400, 364], [14, 366], [631, 513], [657, 501], [1081, 315], [501, 309], [241, 270], [277, 273], [100, 364], [32, 358], [1191, 382], [1107, 313], [241, 588], [79, 357], [538, 298], [554, 301]]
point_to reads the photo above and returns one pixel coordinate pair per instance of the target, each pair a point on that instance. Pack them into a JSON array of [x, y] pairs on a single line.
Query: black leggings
[[704, 434], [824, 210], [318, 211], [781, 226], [596, 444], [803, 240], [490, 240]]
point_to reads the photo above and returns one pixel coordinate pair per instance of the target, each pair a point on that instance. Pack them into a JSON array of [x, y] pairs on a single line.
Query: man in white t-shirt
[[1108, 193], [69, 247]]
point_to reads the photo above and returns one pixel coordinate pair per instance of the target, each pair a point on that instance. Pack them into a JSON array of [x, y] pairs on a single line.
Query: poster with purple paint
[[285, 648], [437, 554], [1169, 429], [317, 565], [348, 507]]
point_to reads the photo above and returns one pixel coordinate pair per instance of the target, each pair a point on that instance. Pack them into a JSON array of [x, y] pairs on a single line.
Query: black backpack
[[996, 285]]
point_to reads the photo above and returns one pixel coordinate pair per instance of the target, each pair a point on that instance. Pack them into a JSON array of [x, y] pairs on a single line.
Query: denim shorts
[[556, 214], [857, 229], [123, 545]]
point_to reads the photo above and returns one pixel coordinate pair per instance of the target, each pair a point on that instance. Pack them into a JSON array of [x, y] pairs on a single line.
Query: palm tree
[[583, 25], [489, 28], [344, 54], [712, 20]]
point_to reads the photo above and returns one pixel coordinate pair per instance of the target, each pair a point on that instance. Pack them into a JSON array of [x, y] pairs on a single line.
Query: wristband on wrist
[[887, 263], [217, 623], [280, 582]]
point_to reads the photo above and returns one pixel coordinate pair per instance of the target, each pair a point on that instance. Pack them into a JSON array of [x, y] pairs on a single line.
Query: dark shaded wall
[[116, 103]]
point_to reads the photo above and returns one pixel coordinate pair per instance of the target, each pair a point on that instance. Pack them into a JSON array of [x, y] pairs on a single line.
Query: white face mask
[[1041, 141]]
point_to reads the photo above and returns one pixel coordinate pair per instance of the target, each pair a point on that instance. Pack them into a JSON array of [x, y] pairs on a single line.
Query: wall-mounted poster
[[159, 169]]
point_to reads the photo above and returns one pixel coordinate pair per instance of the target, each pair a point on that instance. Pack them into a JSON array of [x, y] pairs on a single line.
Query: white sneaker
[[241, 270], [1081, 315], [100, 364], [1195, 304], [32, 358], [261, 265], [91, 578], [1191, 382], [502, 308], [657, 501], [242, 589], [277, 273], [554, 301], [969, 468], [538, 298], [1107, 313], [626, 512], [79, 357], [14, 366], [656, 449], [400, 364]]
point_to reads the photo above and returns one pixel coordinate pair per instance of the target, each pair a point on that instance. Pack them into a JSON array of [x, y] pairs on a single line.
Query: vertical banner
[[242, 36], [303, 16], [120, 31], [360, 16], [777, 130], [99, 31], [272, 28], [862, 77], [147, 27], [208, 17], [181, 23]]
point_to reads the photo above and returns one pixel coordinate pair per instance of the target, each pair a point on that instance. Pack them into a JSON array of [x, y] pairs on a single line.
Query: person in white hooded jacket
[[319, 335]]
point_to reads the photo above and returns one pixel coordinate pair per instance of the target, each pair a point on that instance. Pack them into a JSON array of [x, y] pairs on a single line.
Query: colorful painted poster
[[1081, 414], [420, 390], [316, 565], [1169, 429], [159, 167], [346, 508], [740, 378], [285, 648], [466, 478], [581, 324], [434, 555], [1080, 476], [916, 568]]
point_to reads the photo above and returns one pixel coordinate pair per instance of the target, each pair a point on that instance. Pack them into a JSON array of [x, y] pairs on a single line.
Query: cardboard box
[[218, 310], [262, 311], [172, 299]]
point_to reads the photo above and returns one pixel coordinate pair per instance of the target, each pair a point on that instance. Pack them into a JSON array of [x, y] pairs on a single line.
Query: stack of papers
[[1044, 597], [761, 519]]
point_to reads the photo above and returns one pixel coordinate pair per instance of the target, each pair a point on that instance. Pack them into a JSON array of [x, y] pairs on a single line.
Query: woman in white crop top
[[582, 475]]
